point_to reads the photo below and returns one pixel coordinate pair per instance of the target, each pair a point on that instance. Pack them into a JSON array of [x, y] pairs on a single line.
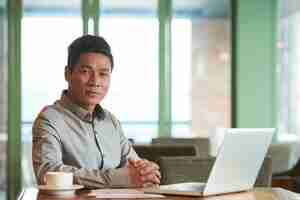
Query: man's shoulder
[[49, 112], [106, 112]]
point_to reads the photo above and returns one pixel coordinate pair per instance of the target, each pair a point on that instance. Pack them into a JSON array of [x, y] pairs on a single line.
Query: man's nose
[[94, 80]]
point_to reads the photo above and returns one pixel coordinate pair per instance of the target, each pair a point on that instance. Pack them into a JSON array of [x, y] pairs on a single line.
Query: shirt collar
[[81, 112]]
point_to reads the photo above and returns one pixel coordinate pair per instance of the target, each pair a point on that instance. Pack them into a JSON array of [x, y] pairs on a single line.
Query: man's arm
[[148, 172], [47, 156]]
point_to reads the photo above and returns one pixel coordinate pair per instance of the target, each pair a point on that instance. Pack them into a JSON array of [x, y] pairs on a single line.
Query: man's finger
[[150, 178], [158, 174], [151, 167]]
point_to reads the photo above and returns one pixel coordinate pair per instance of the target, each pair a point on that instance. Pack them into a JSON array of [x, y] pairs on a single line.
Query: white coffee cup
[[59, 179]]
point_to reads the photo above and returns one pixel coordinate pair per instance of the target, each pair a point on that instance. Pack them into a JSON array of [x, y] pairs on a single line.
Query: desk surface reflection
[[255, 194]]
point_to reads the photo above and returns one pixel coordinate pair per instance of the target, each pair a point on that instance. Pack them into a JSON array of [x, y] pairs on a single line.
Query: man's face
[[89, 80]]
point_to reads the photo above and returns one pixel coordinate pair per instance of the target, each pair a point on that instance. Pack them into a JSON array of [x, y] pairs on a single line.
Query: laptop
[[235, 169]]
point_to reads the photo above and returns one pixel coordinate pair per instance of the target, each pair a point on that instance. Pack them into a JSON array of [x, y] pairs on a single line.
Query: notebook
[[237, 164]]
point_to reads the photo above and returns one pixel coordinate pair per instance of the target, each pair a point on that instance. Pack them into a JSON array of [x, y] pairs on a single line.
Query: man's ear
[[67, 73]]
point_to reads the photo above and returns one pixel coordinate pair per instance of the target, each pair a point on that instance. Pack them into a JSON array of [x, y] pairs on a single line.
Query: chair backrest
[[185, 169], [154, 152], [197, 169], [201, 144], [264, 177]]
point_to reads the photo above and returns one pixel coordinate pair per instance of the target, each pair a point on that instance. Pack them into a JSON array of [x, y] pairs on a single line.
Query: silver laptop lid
[[239, 160]]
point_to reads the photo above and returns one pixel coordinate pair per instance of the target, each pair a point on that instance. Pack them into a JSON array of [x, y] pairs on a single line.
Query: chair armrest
[[286, 182]]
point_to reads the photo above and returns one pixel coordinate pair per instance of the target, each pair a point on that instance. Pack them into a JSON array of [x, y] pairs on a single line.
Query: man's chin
[[93, 101]]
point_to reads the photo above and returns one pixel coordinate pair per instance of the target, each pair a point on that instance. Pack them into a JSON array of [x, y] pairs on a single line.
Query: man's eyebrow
[[86, 66], [104, 69]]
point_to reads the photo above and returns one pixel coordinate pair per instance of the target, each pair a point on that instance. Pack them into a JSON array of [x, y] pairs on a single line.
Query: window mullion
[[95, 15], [85, 15], [165, 10], [14, 9]]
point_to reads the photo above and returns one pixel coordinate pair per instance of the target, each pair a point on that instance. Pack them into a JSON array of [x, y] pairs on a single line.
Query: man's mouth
[[93, 92]]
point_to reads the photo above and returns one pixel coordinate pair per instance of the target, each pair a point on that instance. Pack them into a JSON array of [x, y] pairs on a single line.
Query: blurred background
[[176, 63]]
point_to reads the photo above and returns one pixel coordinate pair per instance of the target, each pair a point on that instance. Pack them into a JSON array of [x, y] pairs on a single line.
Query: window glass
[[200, 67], [200, 62], [288, 46], [181, 77], [47, 29], [131, 28]]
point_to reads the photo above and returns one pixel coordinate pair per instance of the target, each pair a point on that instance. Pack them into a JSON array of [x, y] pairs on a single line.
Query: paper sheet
[[122, 193], [286, 194]]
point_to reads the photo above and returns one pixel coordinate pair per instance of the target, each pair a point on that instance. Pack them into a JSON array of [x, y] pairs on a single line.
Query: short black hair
[[88, 44]]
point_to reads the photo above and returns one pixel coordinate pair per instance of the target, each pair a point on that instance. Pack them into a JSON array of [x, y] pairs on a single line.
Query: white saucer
[[46, 189]]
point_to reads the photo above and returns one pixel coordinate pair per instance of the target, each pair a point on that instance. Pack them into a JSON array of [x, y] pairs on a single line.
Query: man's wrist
[[120, 178]]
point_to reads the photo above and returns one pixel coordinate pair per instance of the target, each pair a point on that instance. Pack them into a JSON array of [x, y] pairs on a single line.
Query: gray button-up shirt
[[68, 138]]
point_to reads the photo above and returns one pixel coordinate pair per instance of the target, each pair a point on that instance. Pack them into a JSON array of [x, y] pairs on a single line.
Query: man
[[77, 135]]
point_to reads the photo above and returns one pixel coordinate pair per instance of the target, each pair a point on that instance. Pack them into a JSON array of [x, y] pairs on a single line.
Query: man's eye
[[104, 74], [84, 71]]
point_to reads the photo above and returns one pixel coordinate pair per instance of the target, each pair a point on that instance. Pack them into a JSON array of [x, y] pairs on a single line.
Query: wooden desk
[[256, 194]]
